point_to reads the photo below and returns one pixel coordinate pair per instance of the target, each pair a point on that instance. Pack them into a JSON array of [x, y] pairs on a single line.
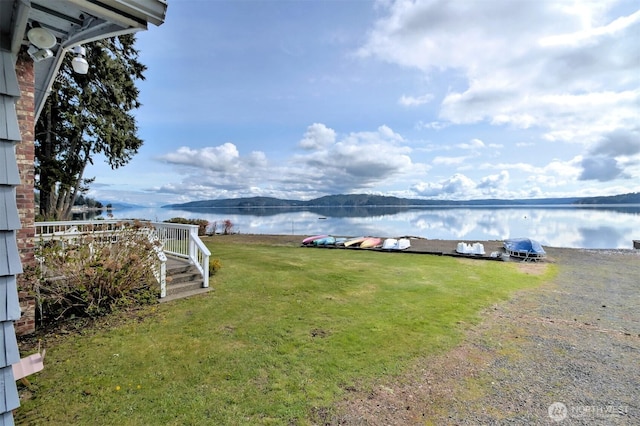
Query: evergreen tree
[[87, 115]]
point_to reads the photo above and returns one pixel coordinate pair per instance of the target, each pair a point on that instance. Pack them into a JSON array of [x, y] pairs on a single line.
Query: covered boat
[[524, 248], [396, 244]]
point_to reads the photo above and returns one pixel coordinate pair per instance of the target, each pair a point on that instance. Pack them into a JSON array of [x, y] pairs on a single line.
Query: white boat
[[396, 244], [475, 248]]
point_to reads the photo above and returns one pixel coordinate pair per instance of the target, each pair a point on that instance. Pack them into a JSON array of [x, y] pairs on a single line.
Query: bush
[[202, 223], [97, 273], [214, 266], [227, 226]]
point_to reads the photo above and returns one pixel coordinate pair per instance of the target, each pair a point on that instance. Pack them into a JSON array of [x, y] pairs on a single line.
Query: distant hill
[[240, 203], [121, 206], [369, 200], [631, 198]]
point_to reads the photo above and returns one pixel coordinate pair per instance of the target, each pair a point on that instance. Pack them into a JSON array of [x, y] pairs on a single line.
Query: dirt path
[[566, 353]]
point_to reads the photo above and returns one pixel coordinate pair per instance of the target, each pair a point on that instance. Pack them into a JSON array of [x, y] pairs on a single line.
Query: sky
[[429, 99]]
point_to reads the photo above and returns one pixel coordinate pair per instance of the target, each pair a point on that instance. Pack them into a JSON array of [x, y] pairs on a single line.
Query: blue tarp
[[524, 246]]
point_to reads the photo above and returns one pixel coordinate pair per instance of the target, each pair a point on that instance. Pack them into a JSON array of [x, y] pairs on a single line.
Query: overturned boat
[[396, 244], [524, 248], [309, 240], [475, 248]]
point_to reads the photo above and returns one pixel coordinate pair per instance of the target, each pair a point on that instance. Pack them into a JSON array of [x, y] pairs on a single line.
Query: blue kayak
[[327, 241]]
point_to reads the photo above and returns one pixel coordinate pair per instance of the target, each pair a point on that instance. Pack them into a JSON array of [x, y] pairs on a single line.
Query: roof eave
[[111, 30], [121, 16], [134, 11]]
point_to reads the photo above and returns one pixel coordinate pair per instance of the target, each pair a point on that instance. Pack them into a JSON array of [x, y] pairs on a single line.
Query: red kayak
[[310, 240]]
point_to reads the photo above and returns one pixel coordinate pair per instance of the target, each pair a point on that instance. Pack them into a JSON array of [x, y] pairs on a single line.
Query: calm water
[[588, 227]]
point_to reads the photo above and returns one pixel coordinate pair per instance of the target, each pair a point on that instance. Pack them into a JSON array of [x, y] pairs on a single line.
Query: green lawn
[[285, 332]]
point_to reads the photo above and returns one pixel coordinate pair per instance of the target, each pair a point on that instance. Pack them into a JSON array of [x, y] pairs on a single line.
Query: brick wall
[[25, 198], [27, 322]]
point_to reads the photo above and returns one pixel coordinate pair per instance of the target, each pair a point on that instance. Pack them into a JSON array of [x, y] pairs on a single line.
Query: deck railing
[[182, 240], [176, 239]]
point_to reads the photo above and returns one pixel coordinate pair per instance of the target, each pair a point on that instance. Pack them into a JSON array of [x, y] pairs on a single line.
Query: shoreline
[[422, 245]]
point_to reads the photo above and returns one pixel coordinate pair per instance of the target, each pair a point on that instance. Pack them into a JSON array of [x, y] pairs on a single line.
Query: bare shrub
[[201, 223], [96, 273], [227, 226]]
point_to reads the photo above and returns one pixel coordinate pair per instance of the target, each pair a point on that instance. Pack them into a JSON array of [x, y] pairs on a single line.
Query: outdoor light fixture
[[41, 41], [79, 63], [39, 54], [41, 38]]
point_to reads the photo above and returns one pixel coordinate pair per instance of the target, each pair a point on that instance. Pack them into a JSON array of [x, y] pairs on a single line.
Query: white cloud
[[317, 136], [432, 125], [221, 158], [590, 33], [560, 66], [457, 186], [494, 183], [355, 162], [472, 144], [449, 161], [415, 100], [525, 144], [359, 160]]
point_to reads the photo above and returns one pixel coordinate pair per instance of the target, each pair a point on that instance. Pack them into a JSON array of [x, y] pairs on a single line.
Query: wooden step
[[182, 295], [183, 287], [184, 277], [183, 280]]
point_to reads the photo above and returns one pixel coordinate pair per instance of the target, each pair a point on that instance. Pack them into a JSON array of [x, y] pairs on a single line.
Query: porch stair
[[183, 280]]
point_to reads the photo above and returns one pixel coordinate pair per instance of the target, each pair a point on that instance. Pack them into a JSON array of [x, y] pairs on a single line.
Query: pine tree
[[86, 115]]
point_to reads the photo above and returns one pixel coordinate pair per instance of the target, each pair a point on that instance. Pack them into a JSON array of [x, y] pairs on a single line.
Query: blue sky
[[418, 99]]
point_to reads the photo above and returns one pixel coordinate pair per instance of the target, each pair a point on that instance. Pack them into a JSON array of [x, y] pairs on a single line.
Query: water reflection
[[590, 227]]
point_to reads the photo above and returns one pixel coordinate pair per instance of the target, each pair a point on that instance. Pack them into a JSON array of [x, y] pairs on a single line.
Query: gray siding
[[9, 130], [8, 165], [9, 218], [10, 264], [9, 304], [8, 79]]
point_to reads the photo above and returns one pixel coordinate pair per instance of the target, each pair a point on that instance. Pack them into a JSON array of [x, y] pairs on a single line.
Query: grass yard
[[286, 333]]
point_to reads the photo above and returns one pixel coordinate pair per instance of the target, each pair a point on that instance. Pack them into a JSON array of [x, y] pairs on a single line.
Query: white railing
[[183, 241], [177, 240]]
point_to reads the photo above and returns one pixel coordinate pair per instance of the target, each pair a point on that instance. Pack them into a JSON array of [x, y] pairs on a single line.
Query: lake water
[[565, 226]]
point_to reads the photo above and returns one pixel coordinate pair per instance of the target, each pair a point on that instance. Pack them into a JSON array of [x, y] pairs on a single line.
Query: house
[[35, 35]]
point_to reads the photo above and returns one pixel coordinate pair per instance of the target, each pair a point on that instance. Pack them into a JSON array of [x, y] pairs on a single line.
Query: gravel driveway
[[566, 353]]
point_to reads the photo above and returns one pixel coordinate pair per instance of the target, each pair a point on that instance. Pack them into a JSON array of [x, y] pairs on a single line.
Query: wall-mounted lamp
[[79, 63], [42, 38]]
